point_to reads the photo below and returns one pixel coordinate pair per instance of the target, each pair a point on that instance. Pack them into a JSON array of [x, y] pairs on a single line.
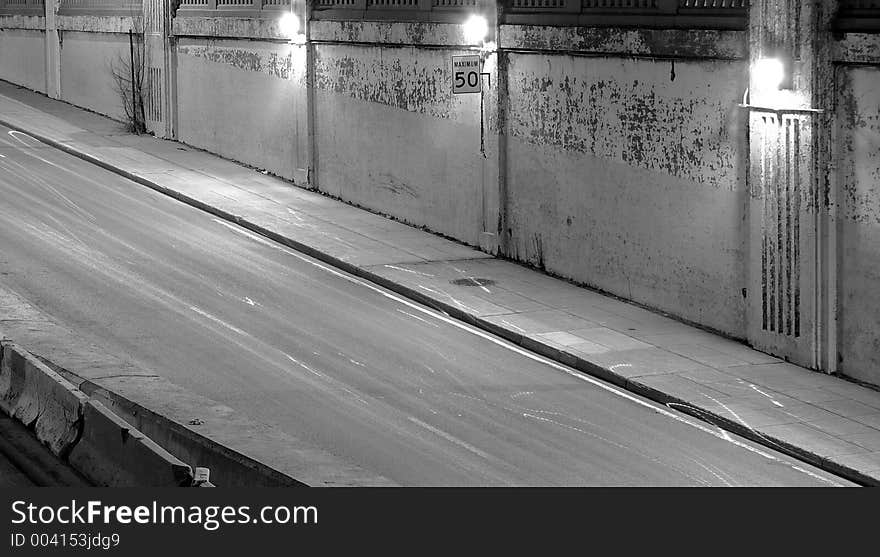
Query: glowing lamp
[[289, 25], [768, 74], [475, 29]]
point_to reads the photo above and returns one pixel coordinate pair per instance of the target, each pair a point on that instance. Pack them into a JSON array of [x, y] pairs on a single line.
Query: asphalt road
[[380, 382]]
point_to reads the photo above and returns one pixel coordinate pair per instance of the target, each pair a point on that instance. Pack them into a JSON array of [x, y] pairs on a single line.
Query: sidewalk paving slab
[[825, 420]]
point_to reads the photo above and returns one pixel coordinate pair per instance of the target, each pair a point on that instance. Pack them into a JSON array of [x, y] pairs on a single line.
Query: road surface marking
[[450, 438], [327, 378], [766, 395], [218, 321], [419, 318], [408, 270]]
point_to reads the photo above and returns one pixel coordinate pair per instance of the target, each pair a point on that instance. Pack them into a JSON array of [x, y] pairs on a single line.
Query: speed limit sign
[[466, 74]]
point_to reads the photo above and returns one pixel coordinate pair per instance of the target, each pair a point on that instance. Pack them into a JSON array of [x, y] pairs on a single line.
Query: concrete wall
[[22, 57], [628, 175], [858, 116], [86, 79], [391, 135], [244, 100]]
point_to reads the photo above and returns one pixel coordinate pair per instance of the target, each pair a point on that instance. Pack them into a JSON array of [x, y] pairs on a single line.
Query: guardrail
[[22, 7]]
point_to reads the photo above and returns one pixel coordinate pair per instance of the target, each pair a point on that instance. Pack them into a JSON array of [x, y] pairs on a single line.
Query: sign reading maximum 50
[[466, 74]]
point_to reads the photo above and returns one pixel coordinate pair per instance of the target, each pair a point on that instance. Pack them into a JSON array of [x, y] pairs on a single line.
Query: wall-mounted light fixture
[[475, 29], [772, 86], [290, 26], [476, 32], [768, 74]]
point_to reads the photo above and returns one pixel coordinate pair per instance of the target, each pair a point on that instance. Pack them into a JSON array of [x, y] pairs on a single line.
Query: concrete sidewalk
[[825, 420]]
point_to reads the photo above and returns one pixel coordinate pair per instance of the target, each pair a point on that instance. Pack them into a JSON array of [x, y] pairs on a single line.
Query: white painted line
[[512, 326], [396, 268], [218, 321], [450, 438], [777, 403], [419, 318], [327, 378], [304, 366]]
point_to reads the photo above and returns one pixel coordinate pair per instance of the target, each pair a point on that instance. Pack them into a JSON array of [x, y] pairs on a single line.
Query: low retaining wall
[[101, 446]]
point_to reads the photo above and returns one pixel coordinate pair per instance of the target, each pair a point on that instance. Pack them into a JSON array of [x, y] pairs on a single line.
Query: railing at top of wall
[[723, 14], [858, 16], [22, 7], [101, 7], [241, 8], [352, 9], [643, 13]]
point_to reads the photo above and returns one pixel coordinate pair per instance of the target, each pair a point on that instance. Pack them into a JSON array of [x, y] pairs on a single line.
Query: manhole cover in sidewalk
[[472, 281]]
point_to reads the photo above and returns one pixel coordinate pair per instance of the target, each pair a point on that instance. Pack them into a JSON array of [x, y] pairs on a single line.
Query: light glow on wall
[[768, 74], [475, 29], [288, 24]]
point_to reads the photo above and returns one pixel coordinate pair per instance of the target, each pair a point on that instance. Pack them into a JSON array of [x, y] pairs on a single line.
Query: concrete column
[[52, 50], [300, 55], [492, 187], [310, 112], [788, 130], [824, 97], [169, 61]]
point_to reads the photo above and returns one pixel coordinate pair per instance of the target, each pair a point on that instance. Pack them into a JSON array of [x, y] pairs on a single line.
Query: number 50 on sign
[[466, 74]]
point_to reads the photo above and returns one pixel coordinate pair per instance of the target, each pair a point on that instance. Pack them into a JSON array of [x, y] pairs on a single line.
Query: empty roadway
[[378, 381]]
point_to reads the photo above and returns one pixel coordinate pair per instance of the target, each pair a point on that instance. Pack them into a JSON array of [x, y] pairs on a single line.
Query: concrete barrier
[[104, 448], [40, 399], [112, 453]]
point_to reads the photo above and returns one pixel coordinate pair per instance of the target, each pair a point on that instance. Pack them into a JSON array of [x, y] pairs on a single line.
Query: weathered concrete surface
[[392, 137], [112, 453], [627, 175], [857, 48], [858, 114], [86, 78], [388, 32], [22, 22], [22, 59], [102, 24], [630, 42], [40, 399], [238, 27], [245, 100]]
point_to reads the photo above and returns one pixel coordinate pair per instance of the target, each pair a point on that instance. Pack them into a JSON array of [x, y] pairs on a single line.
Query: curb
[[527, 343], [101, 446]]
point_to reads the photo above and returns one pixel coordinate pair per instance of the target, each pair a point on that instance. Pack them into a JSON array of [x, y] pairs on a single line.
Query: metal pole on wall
[[131, 67], [311, 109]]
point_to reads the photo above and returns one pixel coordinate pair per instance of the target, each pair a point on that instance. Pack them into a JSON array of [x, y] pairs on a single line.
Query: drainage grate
[[472, 281]]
